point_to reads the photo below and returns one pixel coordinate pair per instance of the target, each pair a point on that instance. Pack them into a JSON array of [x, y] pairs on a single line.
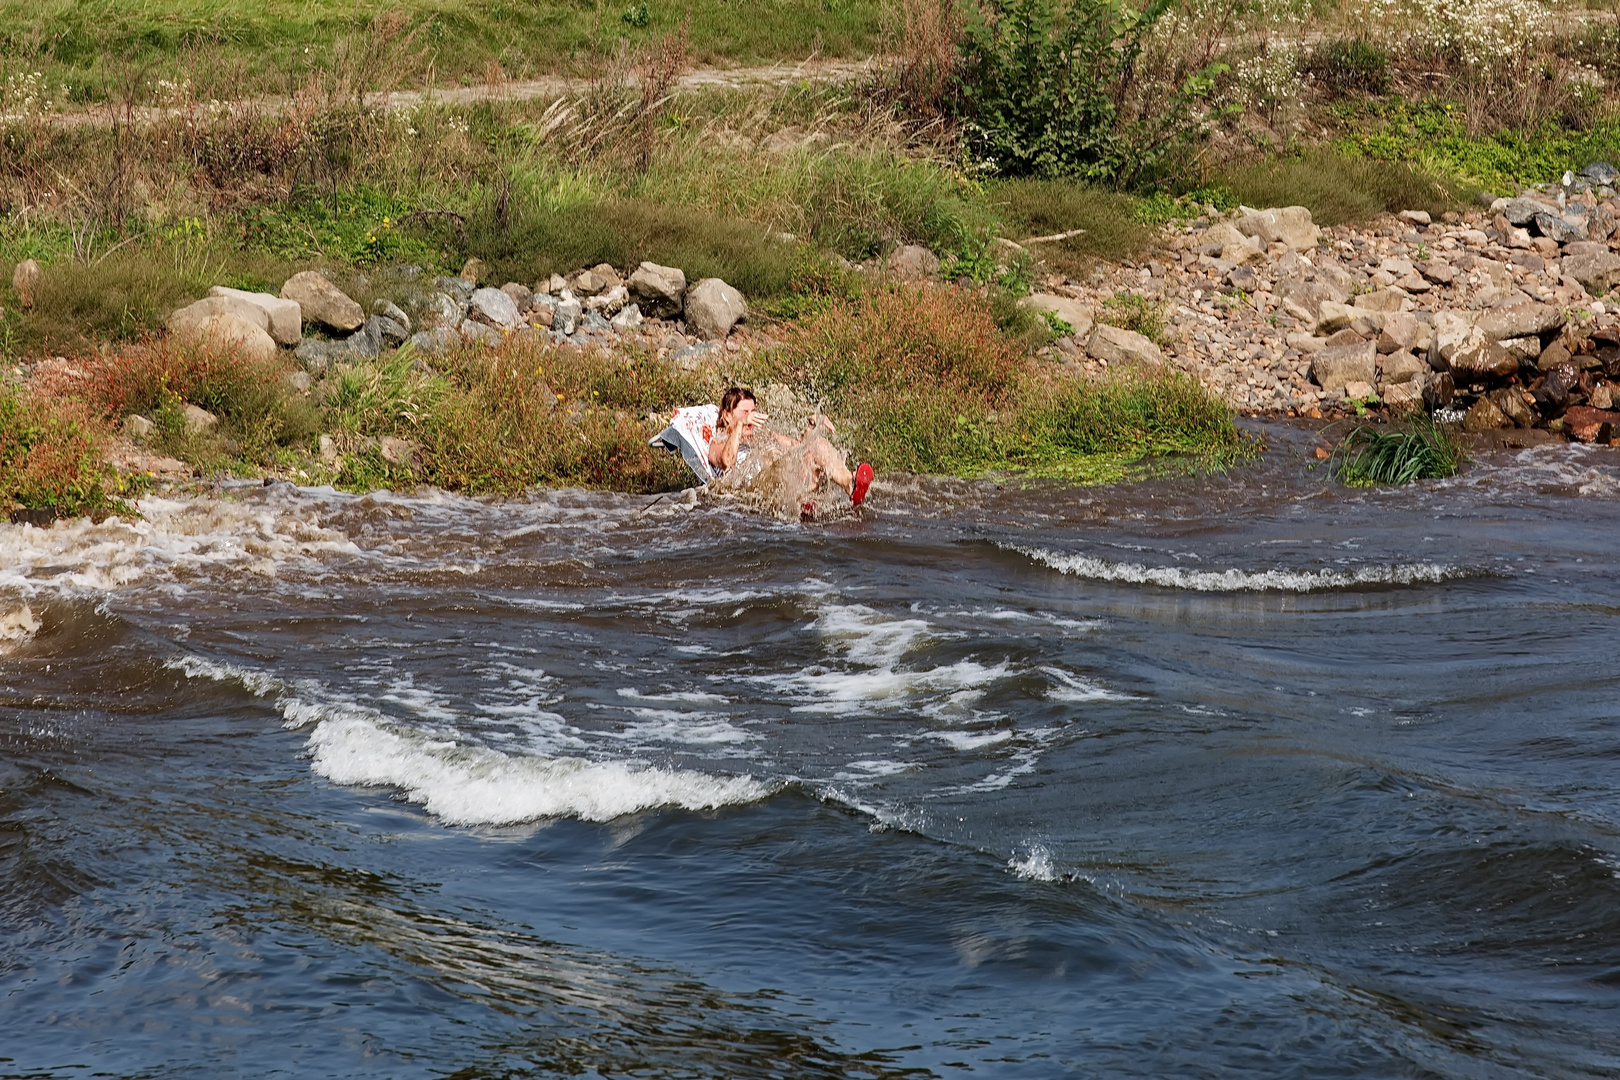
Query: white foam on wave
[[1073, 689], [462, 782], [1036, 865], [971, 740], [172, 538], [876, 646], [1296, 581], [18, 623], [467, 784]]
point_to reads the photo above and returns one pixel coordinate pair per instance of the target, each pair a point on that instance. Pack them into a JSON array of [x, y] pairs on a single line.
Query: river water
[[1237, 775]]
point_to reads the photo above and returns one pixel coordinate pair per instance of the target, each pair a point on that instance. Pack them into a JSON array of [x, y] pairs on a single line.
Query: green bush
[[1351, 65], [1041, 81]]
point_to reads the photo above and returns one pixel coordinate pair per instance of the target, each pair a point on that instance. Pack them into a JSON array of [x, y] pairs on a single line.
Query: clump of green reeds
[[1419, 449]]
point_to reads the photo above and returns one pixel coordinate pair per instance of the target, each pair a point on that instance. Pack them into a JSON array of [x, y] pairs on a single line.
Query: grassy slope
[[260, 45]]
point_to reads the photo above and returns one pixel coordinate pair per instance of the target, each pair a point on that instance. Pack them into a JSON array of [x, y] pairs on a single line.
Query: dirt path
[[554, 86]]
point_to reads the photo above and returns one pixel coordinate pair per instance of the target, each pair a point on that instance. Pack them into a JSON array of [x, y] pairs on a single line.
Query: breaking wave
[[1296, 581]]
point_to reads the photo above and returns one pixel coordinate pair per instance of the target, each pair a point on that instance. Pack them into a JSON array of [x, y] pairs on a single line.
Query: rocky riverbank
[[1494, 319]]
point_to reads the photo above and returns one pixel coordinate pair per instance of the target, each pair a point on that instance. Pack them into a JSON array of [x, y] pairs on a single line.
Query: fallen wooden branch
[[1054, 237]]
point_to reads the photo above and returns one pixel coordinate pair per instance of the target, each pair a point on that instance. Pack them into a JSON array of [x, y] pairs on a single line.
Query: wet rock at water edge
[[1335, 367], [1588, 425]]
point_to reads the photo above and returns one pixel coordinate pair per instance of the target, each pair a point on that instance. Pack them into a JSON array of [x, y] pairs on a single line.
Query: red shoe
[[807, 512], [863, 480]]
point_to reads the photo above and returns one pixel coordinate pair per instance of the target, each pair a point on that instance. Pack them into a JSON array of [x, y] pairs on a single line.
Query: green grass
[[1419, 449], [1430, 136], [1340, 187], [264, 45]]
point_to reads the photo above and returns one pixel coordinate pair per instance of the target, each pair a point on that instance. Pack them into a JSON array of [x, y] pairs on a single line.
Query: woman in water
[[722, 446]]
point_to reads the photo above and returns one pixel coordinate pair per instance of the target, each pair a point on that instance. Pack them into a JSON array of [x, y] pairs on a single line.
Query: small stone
[[1465, 349], [1553, 355], [1416, 217], [480, 333], [1523, 348], [1382, 300], [1289, 225], [587, 283], [1334, 317], [1601, 397], [609, 302], [395, 450], [1402, 397], [390, 310], [432, 342], [473, 271], [610, 277], [327, 447], [1403, 367], [1596, 273], [566, 315], [137, 426], [520, 294], [1519, 320], [1076, 314], [1437, 271], [1513, 407], [1590, 425], [713, 308], [386, 331], [26, 279], [628, 319], [300, 381], [1243, 278]]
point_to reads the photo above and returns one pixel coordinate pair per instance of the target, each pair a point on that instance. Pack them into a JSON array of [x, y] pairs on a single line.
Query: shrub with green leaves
[[1042, 82]]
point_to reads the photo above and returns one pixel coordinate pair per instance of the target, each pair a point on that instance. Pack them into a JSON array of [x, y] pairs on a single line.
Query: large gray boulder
[[214, 324], [1073, 312], [658, 290], [1304, 299], [1289, 225], [1116, 345], [1519, 320], [913, 261], [1466, 351], [1597, 272], [284, 319], [1336, 367], [323, 302], [494, 308], [713, 308]]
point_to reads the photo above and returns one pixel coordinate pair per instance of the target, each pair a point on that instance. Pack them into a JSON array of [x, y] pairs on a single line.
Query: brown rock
[[1347, 336], [321, 301], [1382, 300], [1597, 273], [1335, 367], [1552, 356], [1589, 425], [1437, 271], [1513, 406], [1463, 348], [1519, 320], [473, 270], [1483, 415]]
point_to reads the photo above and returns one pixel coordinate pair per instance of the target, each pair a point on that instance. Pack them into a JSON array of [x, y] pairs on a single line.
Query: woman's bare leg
[[820, 456]]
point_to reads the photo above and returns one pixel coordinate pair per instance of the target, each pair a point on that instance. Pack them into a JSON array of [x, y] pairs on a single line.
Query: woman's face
[[743, 416]]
